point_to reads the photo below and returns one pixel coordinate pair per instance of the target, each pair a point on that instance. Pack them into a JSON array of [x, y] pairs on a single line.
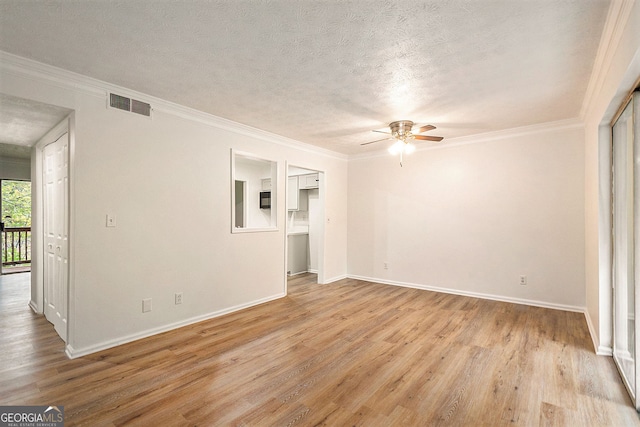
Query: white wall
[[18, 169], [466, 218], [472, 218], [617, 68], [168, 182]]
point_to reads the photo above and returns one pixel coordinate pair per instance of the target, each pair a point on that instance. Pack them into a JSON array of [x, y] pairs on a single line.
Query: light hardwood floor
[[348, 353]]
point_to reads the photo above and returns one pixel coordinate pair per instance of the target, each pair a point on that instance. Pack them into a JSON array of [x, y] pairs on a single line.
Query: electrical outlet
[[178, 297], [146, 305], [386, 265], [523, 280]]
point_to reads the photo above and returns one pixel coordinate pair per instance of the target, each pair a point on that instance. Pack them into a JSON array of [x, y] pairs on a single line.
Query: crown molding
[[559, 125], [23, 67], [617, 18]]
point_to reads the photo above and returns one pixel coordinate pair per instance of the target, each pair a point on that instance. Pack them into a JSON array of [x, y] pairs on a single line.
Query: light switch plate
[[111, 220]]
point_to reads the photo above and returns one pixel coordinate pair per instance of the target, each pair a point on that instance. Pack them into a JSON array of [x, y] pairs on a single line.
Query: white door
[[55, 167]]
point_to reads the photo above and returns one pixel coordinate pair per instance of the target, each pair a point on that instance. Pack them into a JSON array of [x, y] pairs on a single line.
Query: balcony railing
[[16, 246]]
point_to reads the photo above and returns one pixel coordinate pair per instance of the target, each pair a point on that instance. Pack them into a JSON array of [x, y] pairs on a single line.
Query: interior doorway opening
[[15, 226], [305, 222]]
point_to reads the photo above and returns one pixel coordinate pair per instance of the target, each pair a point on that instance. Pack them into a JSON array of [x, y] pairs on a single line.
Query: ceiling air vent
[[127, 104]]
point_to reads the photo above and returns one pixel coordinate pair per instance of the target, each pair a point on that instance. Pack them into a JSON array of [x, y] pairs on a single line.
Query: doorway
[[626, 236], [305, 222], [15, 226]]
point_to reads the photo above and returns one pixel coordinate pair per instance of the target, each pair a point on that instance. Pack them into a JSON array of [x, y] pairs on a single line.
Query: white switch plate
[[111, 220], [146, 305]]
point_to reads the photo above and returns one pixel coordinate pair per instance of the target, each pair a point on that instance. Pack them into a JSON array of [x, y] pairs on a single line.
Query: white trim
[[71, 272], [559, 125], [335, 279], [253, 230], [59, 77], [533, 303], [297, 274], [76, 82], [617, 17], [487, 137], [601, 350], [34, 307], [74, 353]]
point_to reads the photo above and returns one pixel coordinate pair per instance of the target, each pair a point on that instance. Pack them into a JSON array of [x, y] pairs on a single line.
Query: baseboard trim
[[601, 350], [73, 353], [533, 303], [34, 307], [296, 274], [335, 279]]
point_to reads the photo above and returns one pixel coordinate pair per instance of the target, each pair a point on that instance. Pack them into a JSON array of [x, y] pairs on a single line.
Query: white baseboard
[[601, 350], [296, 274], [480, 295], [34, 307], [335, 279], [74, 353]]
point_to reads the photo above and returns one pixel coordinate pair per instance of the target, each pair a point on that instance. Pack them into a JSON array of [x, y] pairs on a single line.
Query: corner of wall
[[601, 350]]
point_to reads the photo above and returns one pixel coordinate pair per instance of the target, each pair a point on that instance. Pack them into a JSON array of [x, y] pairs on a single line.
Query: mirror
[[253, 193]]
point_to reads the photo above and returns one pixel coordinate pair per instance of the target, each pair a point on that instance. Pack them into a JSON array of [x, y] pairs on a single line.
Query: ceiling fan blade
[[428, 138], [426, 128], [377, 140], [381, 131]]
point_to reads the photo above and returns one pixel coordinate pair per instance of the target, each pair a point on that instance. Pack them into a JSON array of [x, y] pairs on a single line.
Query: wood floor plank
[[348, 353]]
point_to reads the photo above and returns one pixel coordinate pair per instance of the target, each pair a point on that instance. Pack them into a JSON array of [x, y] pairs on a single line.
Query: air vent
[[127, 104]]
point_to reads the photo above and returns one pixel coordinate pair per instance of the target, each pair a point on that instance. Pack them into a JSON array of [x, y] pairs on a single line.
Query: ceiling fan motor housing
[[401, 129]]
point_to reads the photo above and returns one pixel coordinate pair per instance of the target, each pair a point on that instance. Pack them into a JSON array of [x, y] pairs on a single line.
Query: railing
[[16, 246]]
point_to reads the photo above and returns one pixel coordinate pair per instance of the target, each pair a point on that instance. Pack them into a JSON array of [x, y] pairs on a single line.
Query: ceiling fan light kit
[[401, 132], [401, 147]]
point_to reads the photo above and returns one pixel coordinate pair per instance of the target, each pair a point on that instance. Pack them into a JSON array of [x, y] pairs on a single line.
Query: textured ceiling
[[328, 72], [24, 122]]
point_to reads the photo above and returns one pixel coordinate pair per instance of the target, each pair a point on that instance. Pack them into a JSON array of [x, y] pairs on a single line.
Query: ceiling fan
[[401, 131]]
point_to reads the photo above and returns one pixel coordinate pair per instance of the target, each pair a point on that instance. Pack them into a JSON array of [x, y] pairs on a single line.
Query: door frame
[[37, 221], [323, 220]]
